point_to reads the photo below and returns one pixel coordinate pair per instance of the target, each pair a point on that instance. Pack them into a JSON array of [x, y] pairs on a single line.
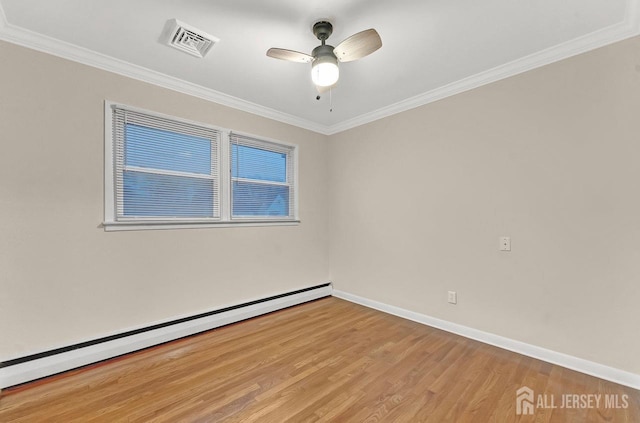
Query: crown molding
[[629, 27], [45, 44]]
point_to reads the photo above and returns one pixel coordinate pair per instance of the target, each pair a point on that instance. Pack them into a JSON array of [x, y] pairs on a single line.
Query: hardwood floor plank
[[324, 361]]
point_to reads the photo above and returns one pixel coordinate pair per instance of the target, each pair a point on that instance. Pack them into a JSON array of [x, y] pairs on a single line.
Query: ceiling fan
[[324, 58]]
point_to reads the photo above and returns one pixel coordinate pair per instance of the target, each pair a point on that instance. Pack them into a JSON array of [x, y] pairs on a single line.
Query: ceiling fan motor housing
[[322, 30], [324, 50]]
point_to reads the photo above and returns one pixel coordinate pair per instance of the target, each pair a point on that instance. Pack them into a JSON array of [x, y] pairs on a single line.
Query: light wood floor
[[327, 360]]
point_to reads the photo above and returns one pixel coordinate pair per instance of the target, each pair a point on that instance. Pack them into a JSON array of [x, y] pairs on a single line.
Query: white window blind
[[163, 172], [262, 179], [164, 169]]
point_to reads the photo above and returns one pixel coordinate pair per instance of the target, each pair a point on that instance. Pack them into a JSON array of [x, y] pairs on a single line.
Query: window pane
[[152, 195], [158, 149], [251, 199], [255, 163]]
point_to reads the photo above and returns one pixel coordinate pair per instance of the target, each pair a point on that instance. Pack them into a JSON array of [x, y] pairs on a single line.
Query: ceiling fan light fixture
[[325, 71], [324, 58]]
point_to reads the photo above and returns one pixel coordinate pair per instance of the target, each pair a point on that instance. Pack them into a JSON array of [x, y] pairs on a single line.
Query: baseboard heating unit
[[47, 363]]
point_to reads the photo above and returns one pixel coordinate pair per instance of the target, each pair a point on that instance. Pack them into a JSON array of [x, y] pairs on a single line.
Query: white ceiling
[[431, 48]]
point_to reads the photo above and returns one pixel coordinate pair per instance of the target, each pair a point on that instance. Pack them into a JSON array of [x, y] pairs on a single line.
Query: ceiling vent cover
[[188, 39]]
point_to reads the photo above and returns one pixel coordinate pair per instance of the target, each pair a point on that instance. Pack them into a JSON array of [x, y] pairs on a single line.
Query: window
[[167, 172], [261, 178]]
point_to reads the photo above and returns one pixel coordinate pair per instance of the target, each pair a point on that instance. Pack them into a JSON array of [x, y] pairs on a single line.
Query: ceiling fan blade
[[290, 55], [358, 46]]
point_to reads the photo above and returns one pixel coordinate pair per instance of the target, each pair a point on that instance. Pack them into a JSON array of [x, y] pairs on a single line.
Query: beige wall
[[551, 158], [410, 206], [63, 279]]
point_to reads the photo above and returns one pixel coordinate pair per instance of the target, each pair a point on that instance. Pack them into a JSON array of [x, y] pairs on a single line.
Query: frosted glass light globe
[[324, 71]]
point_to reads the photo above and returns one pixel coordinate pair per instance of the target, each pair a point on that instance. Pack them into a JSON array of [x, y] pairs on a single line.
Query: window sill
[[142, 226]]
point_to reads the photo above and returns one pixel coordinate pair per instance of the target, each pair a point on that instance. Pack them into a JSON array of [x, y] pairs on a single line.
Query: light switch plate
[[505, 243]]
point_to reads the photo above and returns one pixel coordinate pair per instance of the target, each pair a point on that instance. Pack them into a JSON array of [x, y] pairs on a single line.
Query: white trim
[[30, 39], [225, 176], [35, 369], [113, 223], [629, 27], [564, 360], [110, 105], [291, 150], [164, 225], [109, 163], [277, 144], [296, 197]]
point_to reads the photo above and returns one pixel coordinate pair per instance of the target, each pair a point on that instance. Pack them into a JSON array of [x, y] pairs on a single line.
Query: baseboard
[[574, 363], [47, 363]]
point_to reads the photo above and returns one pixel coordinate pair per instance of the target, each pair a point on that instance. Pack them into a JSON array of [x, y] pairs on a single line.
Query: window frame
[[113, 223], [236, 138]]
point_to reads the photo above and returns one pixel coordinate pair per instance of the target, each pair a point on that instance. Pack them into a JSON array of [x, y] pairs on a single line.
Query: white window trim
[[111, 223], [292, 150]]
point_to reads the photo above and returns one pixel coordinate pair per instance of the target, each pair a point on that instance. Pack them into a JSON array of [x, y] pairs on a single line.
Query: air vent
[[188, 39]]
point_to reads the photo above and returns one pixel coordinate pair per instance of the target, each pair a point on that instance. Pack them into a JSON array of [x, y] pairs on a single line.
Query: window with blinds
[[262, 179], [166, 171]]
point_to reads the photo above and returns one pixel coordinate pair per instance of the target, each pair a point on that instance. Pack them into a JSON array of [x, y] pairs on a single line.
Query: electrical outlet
[[505, 243], [452, 297]]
